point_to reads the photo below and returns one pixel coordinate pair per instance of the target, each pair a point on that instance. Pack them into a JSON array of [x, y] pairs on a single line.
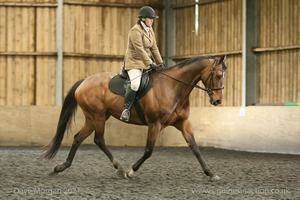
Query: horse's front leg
[[153, 130], [185, 126]]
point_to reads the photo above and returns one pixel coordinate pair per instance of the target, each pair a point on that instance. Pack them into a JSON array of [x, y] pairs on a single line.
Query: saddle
[[120, 82]]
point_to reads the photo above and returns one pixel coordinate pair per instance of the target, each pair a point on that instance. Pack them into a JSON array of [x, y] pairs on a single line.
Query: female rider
[[142, 53]]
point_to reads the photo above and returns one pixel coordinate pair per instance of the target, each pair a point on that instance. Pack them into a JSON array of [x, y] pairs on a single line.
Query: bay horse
[[165, 104]]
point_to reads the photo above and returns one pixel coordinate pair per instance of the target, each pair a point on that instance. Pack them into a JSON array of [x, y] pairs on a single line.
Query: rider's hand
[[154, 66], [162, 65]]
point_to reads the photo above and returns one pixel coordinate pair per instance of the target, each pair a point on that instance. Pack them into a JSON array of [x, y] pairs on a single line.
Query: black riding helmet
[[147, 12]]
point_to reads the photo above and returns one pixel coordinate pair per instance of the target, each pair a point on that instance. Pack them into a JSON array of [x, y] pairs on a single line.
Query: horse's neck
[[187, 76], [191, 73]]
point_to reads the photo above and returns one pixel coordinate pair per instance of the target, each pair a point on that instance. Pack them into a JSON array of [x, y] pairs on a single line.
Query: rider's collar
[[147, 29]]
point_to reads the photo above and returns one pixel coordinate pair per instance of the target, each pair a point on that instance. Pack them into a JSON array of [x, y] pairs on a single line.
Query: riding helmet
[[147, 12]]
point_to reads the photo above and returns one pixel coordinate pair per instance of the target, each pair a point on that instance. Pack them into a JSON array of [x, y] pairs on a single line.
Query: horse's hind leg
[[86, 131], [100, 142], [185, 127]]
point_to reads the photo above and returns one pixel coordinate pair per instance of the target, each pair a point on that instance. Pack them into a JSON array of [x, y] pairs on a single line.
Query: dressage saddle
[[120, 82]]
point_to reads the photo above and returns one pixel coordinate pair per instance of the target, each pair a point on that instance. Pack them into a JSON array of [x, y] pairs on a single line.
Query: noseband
[[210, 88]]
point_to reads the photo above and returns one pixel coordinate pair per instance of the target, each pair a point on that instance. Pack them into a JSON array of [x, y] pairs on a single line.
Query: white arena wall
[[272, 129]]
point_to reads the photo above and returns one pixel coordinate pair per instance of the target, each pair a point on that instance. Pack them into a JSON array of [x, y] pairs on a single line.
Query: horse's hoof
[[130, 174], [215, 178], [61, 167], [53, 173], [121, 174]]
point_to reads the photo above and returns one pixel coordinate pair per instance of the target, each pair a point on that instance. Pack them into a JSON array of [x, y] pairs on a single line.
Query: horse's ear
[[222, 59]]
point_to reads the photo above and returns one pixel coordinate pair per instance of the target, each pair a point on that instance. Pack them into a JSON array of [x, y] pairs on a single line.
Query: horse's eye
[[219, 76]]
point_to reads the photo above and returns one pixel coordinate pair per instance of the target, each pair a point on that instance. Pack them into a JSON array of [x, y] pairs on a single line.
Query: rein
[[187, 84], [208, 90]]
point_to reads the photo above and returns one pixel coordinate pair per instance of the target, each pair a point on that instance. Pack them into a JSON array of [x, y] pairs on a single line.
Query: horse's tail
[[67, 113]]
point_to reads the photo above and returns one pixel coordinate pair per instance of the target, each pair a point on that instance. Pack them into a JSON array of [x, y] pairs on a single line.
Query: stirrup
[[125, 115]]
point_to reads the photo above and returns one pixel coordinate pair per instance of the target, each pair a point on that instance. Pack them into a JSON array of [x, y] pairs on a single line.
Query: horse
[[165, 104]]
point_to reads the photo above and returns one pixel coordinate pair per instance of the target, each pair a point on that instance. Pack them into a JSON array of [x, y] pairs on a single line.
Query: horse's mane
[[192, 60]]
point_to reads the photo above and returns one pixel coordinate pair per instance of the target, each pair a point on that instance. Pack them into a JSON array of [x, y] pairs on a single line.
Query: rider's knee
[[134, 86]]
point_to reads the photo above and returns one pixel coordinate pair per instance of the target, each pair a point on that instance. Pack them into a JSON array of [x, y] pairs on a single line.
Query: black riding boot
[[128, 101]]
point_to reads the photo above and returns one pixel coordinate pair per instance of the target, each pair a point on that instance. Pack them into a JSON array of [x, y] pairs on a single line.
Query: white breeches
[[135, 76]]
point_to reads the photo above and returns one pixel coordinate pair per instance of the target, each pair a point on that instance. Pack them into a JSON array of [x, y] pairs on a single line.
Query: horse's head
[[213, 79]]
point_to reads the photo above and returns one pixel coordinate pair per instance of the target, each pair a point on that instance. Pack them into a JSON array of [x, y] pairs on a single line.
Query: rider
[[142, 53]]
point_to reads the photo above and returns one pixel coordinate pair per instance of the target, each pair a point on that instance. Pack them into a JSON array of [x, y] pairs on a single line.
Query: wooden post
[[59, 46], [251, 41], [169, 33], [249, 85], [242, 109]]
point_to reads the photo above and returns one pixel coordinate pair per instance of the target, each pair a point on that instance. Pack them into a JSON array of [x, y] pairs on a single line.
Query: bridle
[[208, 89], [210, 77]]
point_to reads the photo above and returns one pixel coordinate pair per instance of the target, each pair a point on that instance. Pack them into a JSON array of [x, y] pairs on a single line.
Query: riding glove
[[155, 67]]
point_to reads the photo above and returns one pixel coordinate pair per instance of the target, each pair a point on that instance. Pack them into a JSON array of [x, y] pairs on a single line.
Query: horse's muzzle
[[216, 102]]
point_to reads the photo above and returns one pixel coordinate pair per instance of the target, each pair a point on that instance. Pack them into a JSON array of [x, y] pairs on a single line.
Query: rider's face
[[149, 22]]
